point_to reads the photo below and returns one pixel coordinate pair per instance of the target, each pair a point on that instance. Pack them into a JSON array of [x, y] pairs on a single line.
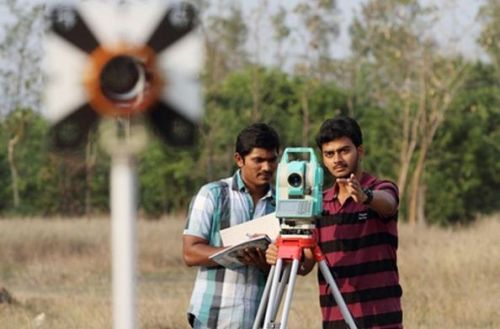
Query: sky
[[456, 29], [457, 21], [458, 24]]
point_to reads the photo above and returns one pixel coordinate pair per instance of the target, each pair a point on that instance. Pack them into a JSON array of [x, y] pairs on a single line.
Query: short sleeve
[[389, 187], [200, 214]]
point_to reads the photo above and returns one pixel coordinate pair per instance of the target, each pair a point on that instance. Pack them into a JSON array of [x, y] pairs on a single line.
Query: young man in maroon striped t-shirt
[[357, 234]]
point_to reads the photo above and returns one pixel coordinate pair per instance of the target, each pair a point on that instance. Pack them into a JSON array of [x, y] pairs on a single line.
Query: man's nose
[[267, 166], [337, 157]]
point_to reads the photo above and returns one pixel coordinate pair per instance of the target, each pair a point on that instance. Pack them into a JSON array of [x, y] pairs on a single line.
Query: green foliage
[[463, 172], [461, 178], [393, 77], [379, 127], [5, 194], [167, 179], [490, 34]]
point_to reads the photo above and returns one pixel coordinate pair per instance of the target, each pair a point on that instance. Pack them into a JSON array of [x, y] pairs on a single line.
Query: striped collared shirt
[[224, 298], [360, 247]]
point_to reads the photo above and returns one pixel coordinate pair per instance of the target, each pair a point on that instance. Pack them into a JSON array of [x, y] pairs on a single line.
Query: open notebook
[[256, 233]]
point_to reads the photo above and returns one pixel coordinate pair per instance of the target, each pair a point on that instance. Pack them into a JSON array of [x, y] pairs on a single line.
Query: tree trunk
[[207, 155], [256, 72], [353, 76], [256, 98], [409, 141], [416, 185], [13, 170], [305, 118], [431, 124], [416, 201], [406, 151], [421, 220], [419, 167]]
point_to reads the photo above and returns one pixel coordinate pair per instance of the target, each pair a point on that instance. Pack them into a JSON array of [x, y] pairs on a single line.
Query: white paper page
[[268, 224]]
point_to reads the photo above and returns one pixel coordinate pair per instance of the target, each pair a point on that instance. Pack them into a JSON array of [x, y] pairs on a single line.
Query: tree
[[463, 164], [319, 28], [19, 76], [15, 125], [280, 34], [20, 55], [166, 186], [225, 35], [410, 81], [490, 34]]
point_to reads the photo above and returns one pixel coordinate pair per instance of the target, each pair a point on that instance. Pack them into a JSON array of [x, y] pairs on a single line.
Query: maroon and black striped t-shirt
[[360, 248]]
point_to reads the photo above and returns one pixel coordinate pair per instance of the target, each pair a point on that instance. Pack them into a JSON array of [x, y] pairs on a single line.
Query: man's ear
[[240, 161], [361, 151]]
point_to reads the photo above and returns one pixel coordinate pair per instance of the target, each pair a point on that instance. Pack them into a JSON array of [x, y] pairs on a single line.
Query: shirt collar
[[238, 184], [331, 193]]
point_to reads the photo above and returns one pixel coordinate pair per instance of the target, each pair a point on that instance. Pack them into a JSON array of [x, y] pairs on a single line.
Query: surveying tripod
[[290, 248]]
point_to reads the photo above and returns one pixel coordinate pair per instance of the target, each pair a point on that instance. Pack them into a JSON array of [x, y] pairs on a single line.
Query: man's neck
[[257, 191]]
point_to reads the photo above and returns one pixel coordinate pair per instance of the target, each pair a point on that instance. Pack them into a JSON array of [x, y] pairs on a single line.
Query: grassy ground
[[59, 271]]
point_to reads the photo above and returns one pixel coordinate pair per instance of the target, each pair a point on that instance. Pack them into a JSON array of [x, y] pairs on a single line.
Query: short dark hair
[[258, 135], [339, 127]]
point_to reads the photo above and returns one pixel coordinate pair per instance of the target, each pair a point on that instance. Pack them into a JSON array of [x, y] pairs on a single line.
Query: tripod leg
[[265, 299], [272, 297], [336, 294], [289, 293], [281, 290], [275, 302]]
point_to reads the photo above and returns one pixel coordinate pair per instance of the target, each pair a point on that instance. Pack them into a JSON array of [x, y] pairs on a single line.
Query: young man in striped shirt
[[357, 234], [224, 298]]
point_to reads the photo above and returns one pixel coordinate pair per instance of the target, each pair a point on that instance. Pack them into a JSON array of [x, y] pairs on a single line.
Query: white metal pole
[[123, 222]]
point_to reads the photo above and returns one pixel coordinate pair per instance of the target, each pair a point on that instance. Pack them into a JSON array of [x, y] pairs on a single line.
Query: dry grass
[[451, 277], [62, 268]]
